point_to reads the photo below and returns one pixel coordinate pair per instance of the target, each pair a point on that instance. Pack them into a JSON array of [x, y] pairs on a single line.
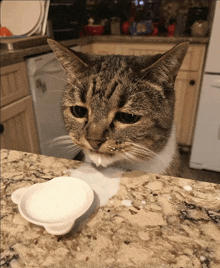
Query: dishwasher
[[47, 84]]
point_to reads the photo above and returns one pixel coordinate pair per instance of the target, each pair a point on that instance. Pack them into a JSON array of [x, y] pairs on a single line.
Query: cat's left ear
[[68, 60], [167, 66]]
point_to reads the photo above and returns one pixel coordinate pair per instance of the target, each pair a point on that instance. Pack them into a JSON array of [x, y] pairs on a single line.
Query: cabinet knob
[[1, 128], [192, 82]]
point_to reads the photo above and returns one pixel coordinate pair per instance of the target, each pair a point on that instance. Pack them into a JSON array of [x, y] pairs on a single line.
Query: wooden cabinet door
[[19, 126], [100, 48], [186, 89], [193, 60], [14, 83]]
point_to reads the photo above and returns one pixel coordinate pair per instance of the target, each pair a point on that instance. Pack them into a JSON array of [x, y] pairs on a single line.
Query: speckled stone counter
[[170, 222]]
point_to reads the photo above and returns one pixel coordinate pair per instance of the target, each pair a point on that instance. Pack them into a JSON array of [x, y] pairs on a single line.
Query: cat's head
[[119, 107]]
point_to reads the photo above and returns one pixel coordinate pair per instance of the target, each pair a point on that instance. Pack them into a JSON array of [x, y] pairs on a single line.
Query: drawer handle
[[1, 128], [192, 82]]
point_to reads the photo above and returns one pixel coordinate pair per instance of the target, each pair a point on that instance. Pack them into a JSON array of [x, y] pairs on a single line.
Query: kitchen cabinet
[[14, 84], [187, 91], [18, 129], [187, 83]]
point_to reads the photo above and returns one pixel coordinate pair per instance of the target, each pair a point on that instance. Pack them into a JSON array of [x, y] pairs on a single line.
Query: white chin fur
[[100, 159], [157, 165]]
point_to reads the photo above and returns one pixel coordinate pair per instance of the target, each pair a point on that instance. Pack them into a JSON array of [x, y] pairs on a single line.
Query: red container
[[5, 32], [94, 30], [125, 27], [171, 29]]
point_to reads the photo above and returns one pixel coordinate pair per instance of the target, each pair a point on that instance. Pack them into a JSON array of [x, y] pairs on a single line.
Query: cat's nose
[[95, 144]]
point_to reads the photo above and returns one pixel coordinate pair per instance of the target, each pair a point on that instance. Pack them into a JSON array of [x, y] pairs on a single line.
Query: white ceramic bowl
[[55, 204]]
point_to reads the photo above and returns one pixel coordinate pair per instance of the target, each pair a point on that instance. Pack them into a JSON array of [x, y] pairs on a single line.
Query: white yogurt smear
[[127, 203], [51, 203], [104, 181], [187, 188]]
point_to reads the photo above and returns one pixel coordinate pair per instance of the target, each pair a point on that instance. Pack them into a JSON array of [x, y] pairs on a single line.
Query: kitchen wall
[[69, 16], [171, 9]]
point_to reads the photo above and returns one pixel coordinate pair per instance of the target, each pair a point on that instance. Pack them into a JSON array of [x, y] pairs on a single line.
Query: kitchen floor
[[197, 174]]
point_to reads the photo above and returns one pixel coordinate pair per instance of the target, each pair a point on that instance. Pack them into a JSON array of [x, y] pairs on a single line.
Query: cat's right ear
[[68, 60]]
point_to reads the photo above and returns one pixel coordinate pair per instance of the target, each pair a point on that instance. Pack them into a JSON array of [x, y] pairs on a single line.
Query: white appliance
[[47, 83], [206, 143], [25, 17]]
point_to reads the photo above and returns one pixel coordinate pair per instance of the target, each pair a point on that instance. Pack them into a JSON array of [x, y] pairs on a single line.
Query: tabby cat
[[120, 109]]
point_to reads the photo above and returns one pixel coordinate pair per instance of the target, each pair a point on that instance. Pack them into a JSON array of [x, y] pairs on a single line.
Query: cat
[[120, 109]]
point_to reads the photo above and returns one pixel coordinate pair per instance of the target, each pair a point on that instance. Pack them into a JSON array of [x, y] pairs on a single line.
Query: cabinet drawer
[[19, 126], [14, 83]]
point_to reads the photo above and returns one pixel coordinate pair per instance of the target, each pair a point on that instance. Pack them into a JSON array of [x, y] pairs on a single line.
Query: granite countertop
[[166, 222], [15, 56]]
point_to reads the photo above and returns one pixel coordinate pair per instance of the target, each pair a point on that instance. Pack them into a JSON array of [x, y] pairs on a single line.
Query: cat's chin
[[100, 159]]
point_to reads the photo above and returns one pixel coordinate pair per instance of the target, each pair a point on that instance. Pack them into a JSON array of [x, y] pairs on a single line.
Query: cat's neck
[[158, 164]]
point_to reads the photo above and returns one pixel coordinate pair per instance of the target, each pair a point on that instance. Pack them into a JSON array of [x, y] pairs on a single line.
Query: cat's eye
[[126, 118], [78, 111]]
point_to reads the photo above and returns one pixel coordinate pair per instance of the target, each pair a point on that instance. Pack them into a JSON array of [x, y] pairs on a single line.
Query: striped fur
[[113, 89]]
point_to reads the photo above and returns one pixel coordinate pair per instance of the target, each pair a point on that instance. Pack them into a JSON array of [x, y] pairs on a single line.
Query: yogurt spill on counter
[[187, 187], [127, 203], [55, 204]]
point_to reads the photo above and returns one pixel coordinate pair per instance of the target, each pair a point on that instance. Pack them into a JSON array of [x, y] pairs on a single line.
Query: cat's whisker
[[76, 79], [132, 96], [139, 155], [141, 147], [137, 82], [132, 157], [65, 139], [62, 142], [74, 150], [75, 86], [145, 151], [139, 152], [57, 77], [71, 146], [57, 90], [62, 138], [123, 156], [65, 81], [129, 157]]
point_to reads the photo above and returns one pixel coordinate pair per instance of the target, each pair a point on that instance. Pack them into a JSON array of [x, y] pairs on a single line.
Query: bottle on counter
[[115, 26]]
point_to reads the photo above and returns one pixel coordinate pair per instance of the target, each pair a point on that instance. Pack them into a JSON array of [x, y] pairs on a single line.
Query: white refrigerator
[[205, 152]]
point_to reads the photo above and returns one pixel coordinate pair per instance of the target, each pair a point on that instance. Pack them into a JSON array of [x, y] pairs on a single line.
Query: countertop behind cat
[[18, 55], [166, 222]]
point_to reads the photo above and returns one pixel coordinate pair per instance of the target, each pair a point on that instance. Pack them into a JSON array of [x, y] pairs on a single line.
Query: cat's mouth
[[107, 154], [101, 158], [101, 153]]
